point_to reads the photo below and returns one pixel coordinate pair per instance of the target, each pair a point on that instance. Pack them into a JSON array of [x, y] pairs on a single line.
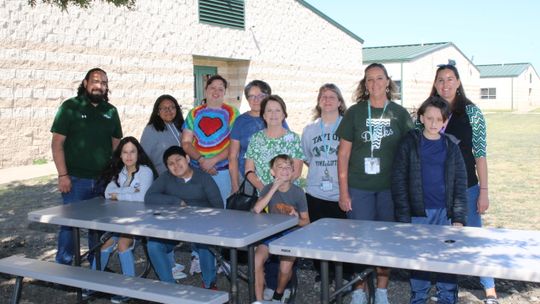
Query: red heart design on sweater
[[209, 125]]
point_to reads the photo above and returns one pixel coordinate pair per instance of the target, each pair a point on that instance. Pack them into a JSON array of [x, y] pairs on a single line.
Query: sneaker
[[213, 286], [179, 266], [381, 296], [195, 266], [268, 294], [286, 295], [119, 299], [225, 268], [276, 298], [178, 272], [87, 294], [490, 300], [359, 297]]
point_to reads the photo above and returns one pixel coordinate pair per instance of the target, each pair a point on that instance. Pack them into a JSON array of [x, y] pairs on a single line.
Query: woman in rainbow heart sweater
[[206, 134]]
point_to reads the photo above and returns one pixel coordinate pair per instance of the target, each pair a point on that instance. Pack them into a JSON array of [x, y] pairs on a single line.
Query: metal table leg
[[325, 283], [17, 291], [339, 281], [234, 276], [251, 273], [77, 256]]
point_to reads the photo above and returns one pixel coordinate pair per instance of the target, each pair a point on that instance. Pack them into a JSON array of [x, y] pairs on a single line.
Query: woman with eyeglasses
[[164, 129], [467, 123], [274, 139], [369, 135], [244, 127], [320, 145]]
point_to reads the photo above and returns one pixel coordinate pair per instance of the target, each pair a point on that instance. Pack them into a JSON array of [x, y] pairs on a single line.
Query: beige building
[[509, 86], [413, 68], [162, 47]]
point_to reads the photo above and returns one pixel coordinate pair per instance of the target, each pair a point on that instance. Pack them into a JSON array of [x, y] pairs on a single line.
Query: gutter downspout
[[402, 83], [512, 95]]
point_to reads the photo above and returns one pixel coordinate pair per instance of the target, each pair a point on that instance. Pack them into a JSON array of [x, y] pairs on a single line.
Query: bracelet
[[60, 175], [483, 188]]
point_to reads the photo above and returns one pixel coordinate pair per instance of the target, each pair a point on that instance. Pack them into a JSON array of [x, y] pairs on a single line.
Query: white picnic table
[[225, 228], [500, 253]]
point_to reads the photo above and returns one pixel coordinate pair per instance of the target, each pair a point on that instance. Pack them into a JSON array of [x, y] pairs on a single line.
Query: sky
[[487, 32]]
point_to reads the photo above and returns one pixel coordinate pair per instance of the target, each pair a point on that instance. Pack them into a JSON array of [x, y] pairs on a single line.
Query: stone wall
[[150, 51]]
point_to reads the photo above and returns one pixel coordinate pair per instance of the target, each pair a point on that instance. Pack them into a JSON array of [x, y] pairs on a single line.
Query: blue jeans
[[81, 189], [223, 181], [446, 284], [371, 205], [127, 261], [159, 249], [474, 219]]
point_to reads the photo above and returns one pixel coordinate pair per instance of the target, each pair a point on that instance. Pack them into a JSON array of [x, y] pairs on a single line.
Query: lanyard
[[371, 123], [446, 124], [327, 147], [175, 133]]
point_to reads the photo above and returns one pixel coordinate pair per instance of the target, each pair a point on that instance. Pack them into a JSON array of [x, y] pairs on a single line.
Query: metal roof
[[330, 20], [399, 53], [502, 70]]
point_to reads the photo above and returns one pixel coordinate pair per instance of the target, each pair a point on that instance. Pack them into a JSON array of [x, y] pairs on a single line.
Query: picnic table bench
[[107, 282]]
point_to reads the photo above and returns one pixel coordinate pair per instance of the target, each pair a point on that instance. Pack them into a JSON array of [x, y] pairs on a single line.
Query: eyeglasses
[[257, 97], [329, 98], [167, 109]]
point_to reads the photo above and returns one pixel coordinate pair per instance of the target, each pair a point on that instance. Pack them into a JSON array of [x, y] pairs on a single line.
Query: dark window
[[488, 93], [229, 13]]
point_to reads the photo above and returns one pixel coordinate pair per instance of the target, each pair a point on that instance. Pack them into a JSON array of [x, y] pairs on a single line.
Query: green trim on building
[[229, 13], [330, 20], [401, 53], [502, 70]]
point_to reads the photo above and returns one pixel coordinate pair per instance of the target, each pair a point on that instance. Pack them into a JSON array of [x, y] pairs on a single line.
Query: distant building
[[162, 47], [509, 86], [413, 68]]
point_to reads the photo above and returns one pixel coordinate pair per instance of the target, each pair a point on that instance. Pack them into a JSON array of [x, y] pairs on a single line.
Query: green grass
[[39, 161], [514, 170]]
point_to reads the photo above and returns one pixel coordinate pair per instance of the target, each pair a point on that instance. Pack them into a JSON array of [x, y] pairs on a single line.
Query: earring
[[366, 93], [387, 90], [458, 93]]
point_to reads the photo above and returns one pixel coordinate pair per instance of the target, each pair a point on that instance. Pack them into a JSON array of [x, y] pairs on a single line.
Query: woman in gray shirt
[[164, 129]]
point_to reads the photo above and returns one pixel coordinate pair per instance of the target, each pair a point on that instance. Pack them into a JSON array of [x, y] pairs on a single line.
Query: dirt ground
[[18, 236]]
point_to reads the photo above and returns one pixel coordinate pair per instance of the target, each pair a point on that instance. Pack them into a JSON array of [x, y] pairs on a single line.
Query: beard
[[96, 97]]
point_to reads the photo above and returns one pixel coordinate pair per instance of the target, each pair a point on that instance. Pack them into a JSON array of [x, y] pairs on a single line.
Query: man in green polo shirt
[[85, 131]]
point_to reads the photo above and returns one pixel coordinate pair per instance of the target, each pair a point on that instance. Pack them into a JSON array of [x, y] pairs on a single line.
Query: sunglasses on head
[[451, 63]]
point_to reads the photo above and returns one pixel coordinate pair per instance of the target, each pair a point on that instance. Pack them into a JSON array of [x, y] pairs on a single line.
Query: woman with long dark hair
[[129, 175], [164, 129], [467, 124]]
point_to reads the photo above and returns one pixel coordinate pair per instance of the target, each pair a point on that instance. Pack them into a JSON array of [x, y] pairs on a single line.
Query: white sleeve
[[111, 188], [143, 179]]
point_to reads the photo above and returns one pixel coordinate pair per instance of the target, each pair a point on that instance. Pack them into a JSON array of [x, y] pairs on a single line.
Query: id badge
[[372, 165], [326, 186], [326, 182]]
